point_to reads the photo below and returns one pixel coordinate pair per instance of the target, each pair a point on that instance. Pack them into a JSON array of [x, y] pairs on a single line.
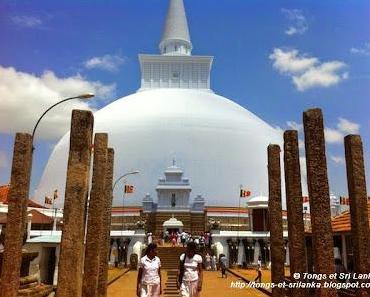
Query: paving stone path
[[213, 285]]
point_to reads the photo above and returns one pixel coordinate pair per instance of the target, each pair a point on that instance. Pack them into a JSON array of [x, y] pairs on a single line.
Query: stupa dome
[[175, 115], [219, 145]]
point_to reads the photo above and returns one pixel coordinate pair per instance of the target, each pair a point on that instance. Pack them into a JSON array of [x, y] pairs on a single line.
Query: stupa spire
[[176, 38]]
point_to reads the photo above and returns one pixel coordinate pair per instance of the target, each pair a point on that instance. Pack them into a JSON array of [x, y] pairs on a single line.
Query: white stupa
[[175, 114]]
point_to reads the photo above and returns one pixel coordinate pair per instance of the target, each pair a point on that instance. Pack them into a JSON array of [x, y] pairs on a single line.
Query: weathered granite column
[[293, 189], [276, 219], [105, 241], [318, 188], [358, 205], [76, 192], [17, 212], [95, 217]]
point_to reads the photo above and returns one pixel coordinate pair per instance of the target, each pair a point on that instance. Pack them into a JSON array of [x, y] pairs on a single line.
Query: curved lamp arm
[[123, 176], [83, 96]]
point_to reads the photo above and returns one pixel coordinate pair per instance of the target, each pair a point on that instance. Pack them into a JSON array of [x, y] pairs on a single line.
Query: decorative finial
[[176, 37]]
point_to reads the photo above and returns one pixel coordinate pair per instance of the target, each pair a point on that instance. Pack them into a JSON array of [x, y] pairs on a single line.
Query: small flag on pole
[[129, 189], [48, 201], [344, 201], [244, 193]]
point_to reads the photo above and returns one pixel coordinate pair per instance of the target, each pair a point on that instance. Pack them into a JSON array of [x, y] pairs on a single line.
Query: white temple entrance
[[173, 225]]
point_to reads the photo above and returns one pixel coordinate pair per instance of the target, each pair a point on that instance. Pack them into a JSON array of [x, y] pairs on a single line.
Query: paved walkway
[[251, 274], [115, 272], [213, 285]]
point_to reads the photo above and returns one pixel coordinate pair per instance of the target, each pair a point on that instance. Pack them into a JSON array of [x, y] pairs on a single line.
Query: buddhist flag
[[55, 194], [244, 193], [48, 201], [344, 201], [129, 189], [305, 199]]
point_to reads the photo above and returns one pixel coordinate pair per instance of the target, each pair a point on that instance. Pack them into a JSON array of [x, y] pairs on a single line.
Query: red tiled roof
[[342, 222], [32, 203], [126, 209], [226, 209], [40, 218], [37, 218], [4, 190]]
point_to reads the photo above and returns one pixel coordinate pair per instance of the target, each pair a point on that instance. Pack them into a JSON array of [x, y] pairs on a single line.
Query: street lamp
[[123, 176], [82, 96], [115, 184]]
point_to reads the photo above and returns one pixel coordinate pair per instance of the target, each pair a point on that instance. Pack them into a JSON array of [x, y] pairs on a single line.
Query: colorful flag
[[129, 189], [305, 199], [344, 201], [244, 193], [48, 200]]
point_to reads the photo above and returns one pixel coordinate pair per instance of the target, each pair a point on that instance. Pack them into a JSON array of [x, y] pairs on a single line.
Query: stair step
[[39, 291]]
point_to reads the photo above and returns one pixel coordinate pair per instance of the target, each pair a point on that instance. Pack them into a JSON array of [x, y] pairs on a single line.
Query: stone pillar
[[76, 193], [105, 242], [257, 252], [358, 205], [17, 212], [293, 190], [97, 203], [318, 188], [276, 219], [55, 277], [29, 225], [242, 257]]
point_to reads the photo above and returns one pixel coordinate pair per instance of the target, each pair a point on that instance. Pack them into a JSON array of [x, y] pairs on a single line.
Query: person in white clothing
[[150, 238], [190, 276], [149, 276]]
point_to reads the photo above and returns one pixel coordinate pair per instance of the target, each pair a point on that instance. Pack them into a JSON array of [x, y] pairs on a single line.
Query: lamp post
[[82, 96], [123, 199], [123, 176]]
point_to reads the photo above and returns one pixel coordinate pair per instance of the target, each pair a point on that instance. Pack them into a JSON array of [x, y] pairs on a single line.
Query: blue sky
[[275, 58]]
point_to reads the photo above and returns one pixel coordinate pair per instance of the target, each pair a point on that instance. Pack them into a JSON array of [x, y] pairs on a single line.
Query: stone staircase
[[29, 287], [170, 289], [170, 257]]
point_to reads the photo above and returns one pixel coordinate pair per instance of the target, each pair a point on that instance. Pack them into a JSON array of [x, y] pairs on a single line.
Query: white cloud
[[3, 160], [26, 21], [106, 62], [289, 61], [324, 75], [338, 160], [307, 72], [298, 23], [295, 126], [364, 50], [343, 127], [24, 97], [333, 135], [348, 127]]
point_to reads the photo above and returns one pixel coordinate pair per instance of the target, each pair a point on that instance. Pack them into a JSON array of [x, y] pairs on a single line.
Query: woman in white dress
[[149, 281], [190, 275]]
